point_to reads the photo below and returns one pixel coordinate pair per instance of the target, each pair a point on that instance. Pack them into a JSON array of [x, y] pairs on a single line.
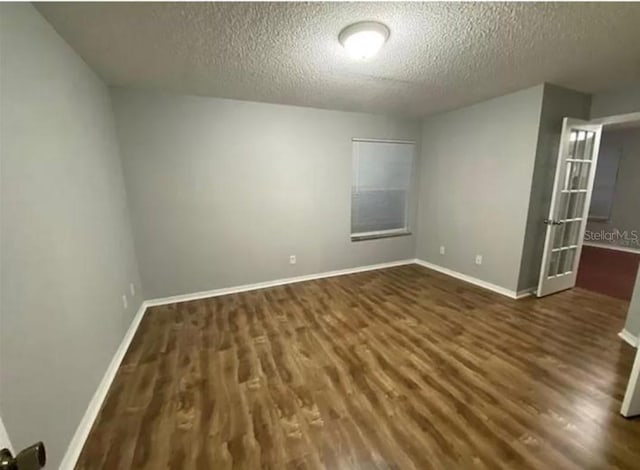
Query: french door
[[567, 221]]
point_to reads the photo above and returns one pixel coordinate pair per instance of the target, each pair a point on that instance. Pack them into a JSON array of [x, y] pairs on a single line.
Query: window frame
[[396, 232]]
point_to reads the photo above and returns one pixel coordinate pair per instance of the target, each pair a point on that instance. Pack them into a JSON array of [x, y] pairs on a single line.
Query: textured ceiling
[[439, 55]]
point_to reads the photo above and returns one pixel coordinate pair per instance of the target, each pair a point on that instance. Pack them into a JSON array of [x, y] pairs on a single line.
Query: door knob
[[32, 458]]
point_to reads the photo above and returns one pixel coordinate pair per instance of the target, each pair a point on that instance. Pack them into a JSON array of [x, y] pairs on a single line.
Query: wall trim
[[606, 246], [631, 339], [278, 282], [84, 428], [475, 281], [82, 432], [521, 294]]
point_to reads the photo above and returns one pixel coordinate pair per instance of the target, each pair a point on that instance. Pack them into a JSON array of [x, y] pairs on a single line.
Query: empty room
[[322, 235]]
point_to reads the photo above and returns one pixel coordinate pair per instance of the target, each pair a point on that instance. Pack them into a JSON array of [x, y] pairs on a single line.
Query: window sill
[[375, 236]]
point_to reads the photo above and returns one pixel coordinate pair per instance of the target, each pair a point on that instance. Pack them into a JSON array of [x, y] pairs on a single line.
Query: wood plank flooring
[[402, 368]]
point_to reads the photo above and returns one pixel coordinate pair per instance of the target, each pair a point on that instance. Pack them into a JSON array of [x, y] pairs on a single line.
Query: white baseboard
[[632, 340], [82, 432], [278, 282], [521, 294], [607, 246], [475, 281], [5, 442]]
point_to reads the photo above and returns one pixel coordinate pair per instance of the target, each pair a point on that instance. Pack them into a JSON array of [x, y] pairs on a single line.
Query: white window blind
[[381, 182], [604, 186]]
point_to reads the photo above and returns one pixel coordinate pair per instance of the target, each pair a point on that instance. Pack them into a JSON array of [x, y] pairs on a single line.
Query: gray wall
[[222, 192], [619, 101], [557, 104], [475, 177], [625, 210], [66, 248], [632, 324]]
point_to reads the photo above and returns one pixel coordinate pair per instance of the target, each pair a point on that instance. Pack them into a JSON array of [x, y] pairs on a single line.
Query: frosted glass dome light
[[364, 40]]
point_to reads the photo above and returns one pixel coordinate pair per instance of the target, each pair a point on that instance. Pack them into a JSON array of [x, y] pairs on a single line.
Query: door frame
[[631, 402], [616, 120]]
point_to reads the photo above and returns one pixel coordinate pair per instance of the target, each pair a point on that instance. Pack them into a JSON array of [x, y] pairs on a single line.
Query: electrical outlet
[[125, 304], [132, 289], [442, 250], [478, 259], [292, 259]]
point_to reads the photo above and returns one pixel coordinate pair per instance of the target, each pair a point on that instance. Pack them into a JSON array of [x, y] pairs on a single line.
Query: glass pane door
[[573, 197], [575, 173]]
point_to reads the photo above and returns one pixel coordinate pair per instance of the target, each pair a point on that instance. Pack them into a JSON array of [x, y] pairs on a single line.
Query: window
[[604, 186], [380, 187]]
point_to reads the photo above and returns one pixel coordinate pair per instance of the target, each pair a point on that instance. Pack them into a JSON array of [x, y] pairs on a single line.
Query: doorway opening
[[611, 252], [607, 237], [600, 211]]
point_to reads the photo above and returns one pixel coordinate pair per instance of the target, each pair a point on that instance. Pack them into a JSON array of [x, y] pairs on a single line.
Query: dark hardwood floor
[[401, 368]]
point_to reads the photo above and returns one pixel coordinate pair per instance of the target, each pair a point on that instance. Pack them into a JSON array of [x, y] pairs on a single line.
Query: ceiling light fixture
[[364, 40]]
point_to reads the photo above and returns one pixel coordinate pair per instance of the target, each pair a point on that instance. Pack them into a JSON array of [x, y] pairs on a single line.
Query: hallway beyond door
[[609, 272]]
